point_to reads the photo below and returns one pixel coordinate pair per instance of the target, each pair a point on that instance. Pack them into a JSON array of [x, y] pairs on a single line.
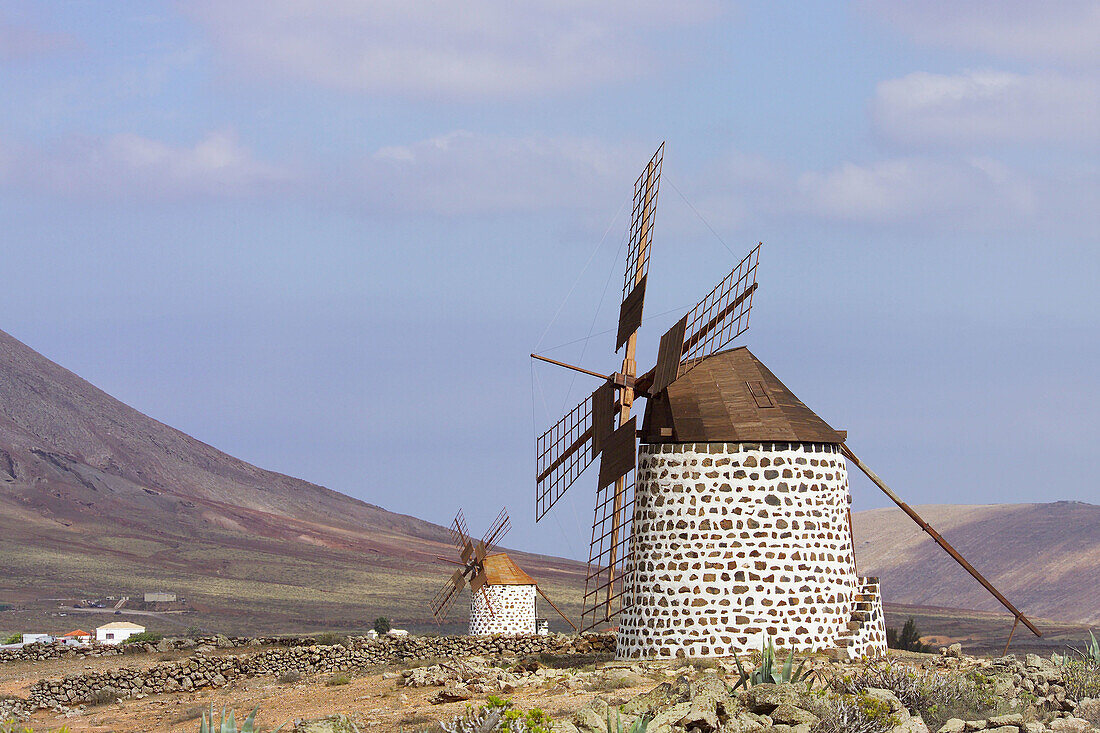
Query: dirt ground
[[375, 703]]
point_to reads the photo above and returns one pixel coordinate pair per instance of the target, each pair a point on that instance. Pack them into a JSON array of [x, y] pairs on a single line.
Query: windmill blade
[[637, 254], [497, 530], [459, 532], [444, 599], [619, 453], [609, 559], [566, 449], [718, 319]]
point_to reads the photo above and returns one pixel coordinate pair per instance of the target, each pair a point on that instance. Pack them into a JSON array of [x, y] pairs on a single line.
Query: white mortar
[[513, 610], [737, 541]]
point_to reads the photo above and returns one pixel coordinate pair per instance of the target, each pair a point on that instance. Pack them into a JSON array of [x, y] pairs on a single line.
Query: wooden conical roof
[[731, 397], [502, 570]]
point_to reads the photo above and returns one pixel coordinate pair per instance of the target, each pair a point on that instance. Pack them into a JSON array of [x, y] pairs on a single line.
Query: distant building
[[160, 597], [505, 604], [117, 632], [372, 634], [37, 638], [397, 632], [78, 637]]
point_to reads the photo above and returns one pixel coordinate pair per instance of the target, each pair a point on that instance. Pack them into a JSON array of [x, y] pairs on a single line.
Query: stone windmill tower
[[502, 596], [731, 522]]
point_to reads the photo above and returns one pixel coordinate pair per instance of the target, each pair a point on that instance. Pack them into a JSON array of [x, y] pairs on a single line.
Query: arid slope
[[97, 498], [1044, 557]]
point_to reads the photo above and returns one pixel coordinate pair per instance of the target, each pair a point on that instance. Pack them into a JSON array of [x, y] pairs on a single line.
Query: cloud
[[135, 166], [987, 106], [462, 173], [1064, 32], [903, 191], [439, 48]]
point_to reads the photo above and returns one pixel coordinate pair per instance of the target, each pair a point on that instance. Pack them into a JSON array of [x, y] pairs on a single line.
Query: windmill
[[502, 595], [732, 520]]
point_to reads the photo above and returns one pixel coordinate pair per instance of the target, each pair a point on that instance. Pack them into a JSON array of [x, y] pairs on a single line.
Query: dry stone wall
[[209, 671], [735, 541], [503, 609]]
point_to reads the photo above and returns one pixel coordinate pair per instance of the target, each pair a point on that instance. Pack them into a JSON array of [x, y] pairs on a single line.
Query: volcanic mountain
[[98, 499]]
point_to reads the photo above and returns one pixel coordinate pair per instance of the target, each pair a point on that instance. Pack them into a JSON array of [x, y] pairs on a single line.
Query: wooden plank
[[668, 357], [715, 402], [603, 415], [619, 454], [630, 313]]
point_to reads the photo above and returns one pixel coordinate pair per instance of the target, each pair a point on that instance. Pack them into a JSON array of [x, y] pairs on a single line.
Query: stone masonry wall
[[735, 541], [510, 610], [869, 638], [215, 671]]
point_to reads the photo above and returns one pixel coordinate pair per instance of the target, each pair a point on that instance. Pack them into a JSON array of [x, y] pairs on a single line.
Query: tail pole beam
[[939, 539]]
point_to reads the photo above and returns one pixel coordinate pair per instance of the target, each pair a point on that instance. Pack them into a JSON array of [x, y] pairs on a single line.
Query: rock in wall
[[503, 609], [736, 541]]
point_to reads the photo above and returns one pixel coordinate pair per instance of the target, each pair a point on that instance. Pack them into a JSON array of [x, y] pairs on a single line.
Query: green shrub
[[145, 637], [1081, 678], [338, 679], [13, 638], [841, 713], [381, 625], [909, 638], [5, 606], [499, 714], [935, 697], [329, 638]]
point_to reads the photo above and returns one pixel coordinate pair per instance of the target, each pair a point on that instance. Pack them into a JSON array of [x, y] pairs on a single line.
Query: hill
[[1045, 558], [99, 499]]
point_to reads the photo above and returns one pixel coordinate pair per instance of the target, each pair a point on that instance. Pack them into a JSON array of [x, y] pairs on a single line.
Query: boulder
[[449, 694], [791, 715], [954, 725], [888, 698], [1000, 721], [664, 695], [764, 698], [331, 724], [592, 718]]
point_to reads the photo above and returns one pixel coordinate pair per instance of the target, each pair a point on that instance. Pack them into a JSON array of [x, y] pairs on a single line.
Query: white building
[[37, 639], [160, 597], [117, 632], [506, 603]]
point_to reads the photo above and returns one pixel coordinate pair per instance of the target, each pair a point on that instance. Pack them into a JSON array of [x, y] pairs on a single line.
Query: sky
[[324, 237]]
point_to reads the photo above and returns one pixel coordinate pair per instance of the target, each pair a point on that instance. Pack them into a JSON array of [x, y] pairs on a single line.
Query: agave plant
[[768, 672], [228, 724], [616, 725], [1093, 650]]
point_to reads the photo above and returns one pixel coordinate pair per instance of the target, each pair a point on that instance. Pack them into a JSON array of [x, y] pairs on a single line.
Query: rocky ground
[[580, 690]]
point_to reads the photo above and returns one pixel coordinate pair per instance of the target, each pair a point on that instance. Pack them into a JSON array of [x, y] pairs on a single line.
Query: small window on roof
[[760, 394]]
